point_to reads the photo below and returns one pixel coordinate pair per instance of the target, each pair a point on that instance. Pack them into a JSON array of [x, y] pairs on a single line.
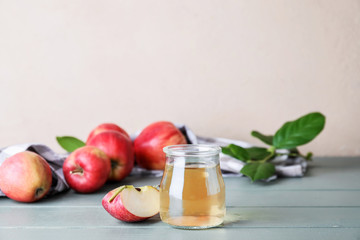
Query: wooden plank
[[278, 198], [234, 198], [96, 217], [71, 198], [171, 233], [322, 205], [239, 192]]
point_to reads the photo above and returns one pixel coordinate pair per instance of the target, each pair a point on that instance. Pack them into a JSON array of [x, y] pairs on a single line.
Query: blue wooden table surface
[[325, 204]]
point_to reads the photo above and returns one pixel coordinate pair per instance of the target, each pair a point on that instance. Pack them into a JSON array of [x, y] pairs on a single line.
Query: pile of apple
[[108, 155]]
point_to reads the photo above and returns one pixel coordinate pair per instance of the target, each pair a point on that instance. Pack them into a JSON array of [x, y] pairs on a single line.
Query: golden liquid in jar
[[192, 196]]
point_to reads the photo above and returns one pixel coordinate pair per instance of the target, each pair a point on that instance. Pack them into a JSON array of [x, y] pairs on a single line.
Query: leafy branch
[[291, 135]]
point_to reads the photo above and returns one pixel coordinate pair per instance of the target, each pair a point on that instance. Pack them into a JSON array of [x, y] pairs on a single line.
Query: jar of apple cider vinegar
[[192, 190]]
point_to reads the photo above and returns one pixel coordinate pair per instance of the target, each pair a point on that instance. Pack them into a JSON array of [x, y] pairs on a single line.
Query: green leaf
[[237, 152], [309, 156], [257, 171], [257, 153], [227, 151], [300, 131], [268, 139], [70, 143]]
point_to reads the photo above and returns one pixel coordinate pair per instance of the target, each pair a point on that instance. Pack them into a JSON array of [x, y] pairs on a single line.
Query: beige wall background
[[223, 67]]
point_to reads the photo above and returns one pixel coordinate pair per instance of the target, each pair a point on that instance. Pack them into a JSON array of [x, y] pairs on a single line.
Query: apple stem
[[38, 192], [118, 190], [79, 170], [114, 164]]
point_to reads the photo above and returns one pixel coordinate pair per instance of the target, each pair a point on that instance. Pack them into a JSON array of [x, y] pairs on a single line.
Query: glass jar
[[192, 190]]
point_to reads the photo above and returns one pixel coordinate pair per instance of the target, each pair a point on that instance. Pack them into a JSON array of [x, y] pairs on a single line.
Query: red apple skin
[[116, 208], [105, 127], [119, 149], [86, 169], [25, 177], [148, 146]]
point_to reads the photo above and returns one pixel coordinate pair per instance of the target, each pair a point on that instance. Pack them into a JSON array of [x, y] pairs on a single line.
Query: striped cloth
[[285, 167]]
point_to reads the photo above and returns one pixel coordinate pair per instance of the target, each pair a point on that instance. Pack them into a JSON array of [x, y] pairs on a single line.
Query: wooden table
[[323, 205]]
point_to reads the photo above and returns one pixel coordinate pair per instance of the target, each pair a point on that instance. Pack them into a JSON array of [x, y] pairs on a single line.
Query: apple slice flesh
[[131, 204], [141, 202]]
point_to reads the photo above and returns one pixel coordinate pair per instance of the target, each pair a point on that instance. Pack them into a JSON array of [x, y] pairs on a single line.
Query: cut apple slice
[[131, 204]]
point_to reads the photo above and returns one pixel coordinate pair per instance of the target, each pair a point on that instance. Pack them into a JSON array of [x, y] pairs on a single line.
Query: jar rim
[[192, 150]]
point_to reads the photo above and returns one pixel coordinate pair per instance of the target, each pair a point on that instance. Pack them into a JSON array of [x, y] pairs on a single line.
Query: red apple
[[86, 169], [105, 127], [148, 146], [131, 204], [119, 149], [25, 177]]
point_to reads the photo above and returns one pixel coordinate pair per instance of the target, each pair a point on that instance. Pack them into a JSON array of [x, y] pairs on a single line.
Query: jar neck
[[192, 150], [188, 161]]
